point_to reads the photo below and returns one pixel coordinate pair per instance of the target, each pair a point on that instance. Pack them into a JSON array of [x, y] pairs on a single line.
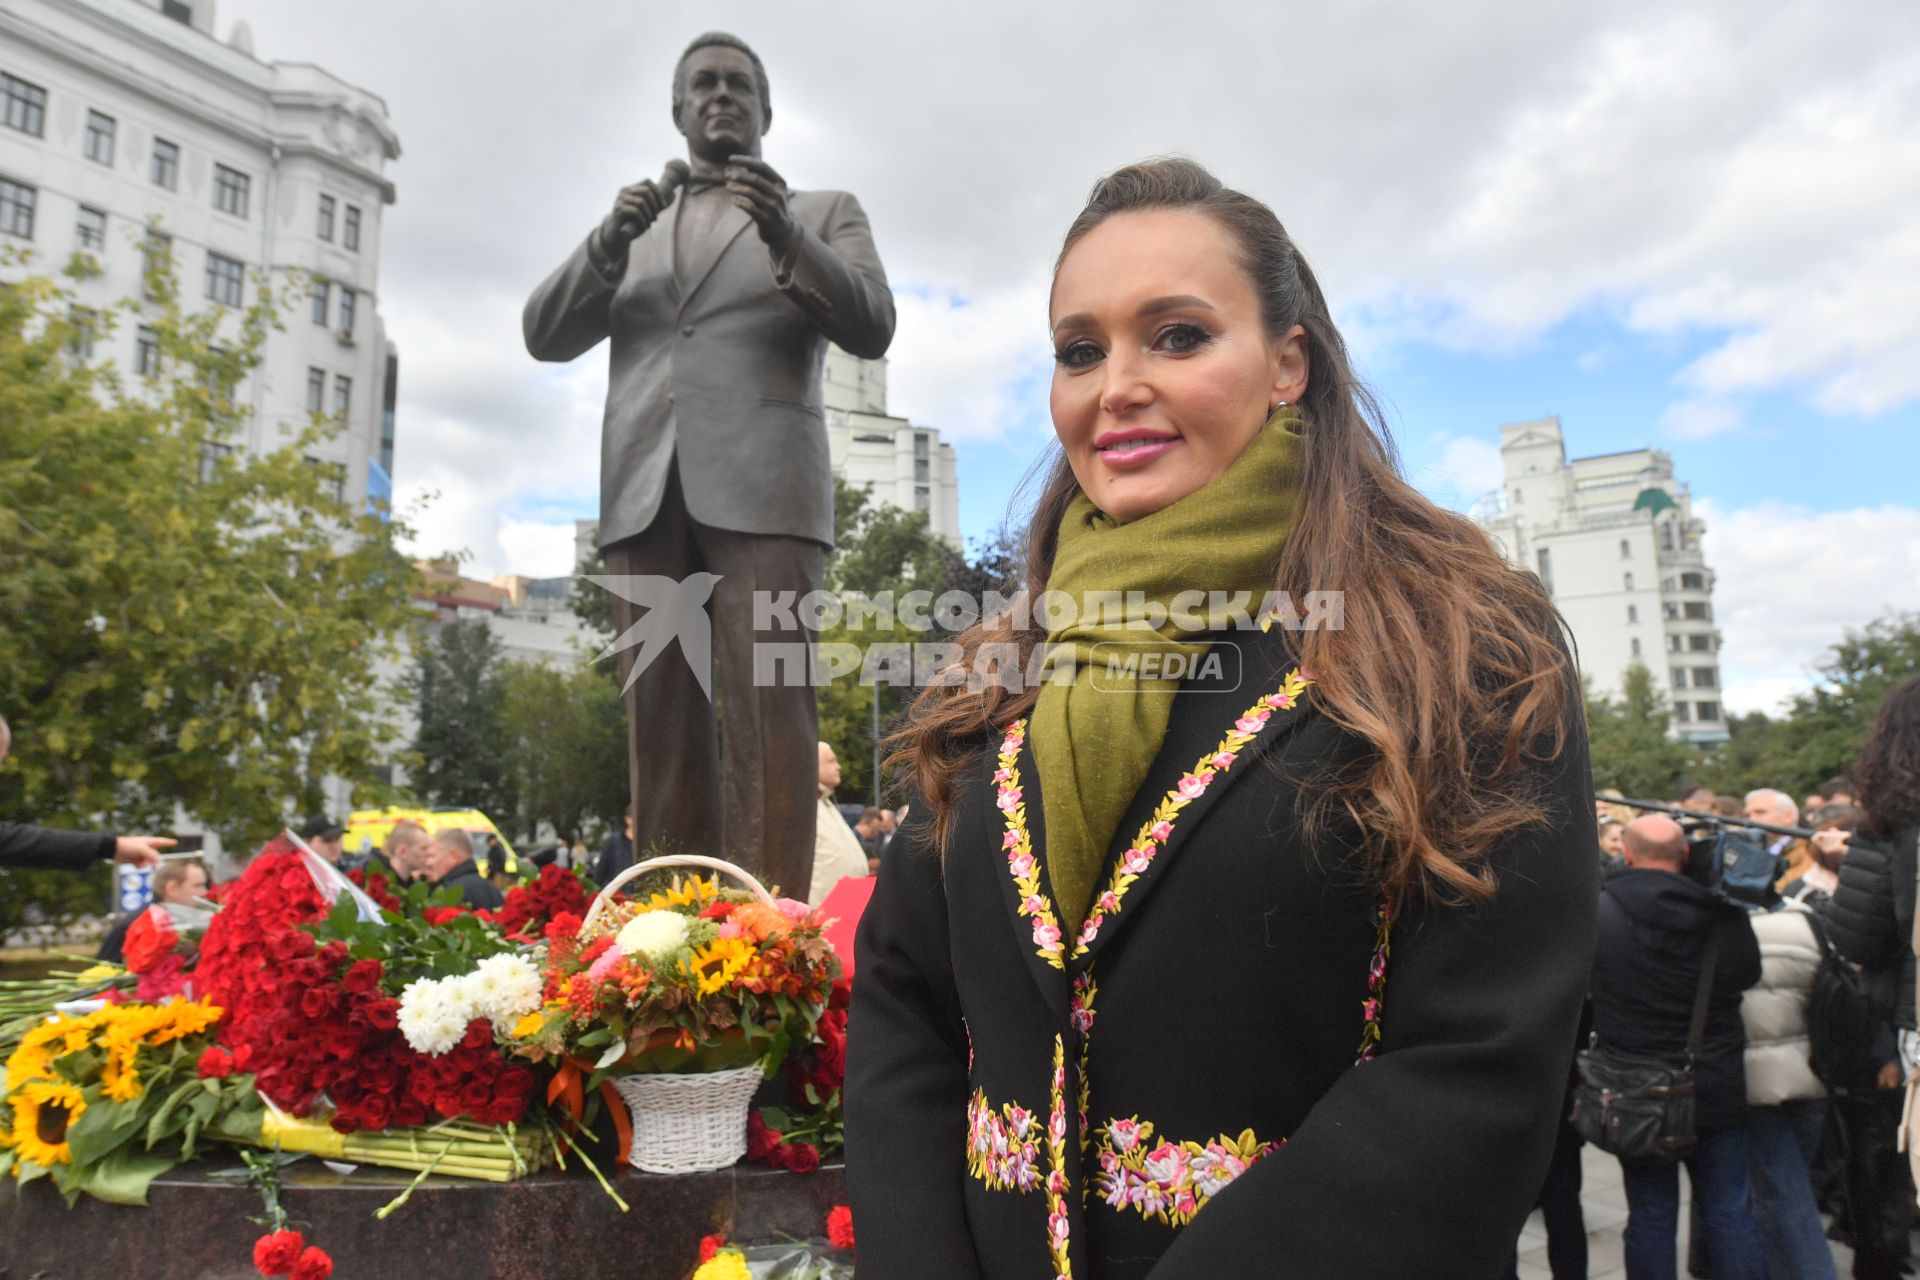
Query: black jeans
[[1879, 1187]]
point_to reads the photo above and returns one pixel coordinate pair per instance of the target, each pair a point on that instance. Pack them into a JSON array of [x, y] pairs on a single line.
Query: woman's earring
[[1276, 406]]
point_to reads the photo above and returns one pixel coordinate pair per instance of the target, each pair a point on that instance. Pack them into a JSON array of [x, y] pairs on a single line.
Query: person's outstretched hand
[[141, 851]]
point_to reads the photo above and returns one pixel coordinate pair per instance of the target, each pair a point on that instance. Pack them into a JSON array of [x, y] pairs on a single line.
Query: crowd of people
[[1798, 1107]]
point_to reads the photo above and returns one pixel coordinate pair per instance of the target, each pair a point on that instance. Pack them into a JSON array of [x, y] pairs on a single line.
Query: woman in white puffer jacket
[[1785, 1100]]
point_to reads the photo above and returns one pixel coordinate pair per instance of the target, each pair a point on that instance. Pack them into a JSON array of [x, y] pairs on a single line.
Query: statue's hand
[[755, 187], [636, 207]]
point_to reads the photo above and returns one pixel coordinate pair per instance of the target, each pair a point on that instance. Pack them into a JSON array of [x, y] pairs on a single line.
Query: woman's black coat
[[999, 1104]]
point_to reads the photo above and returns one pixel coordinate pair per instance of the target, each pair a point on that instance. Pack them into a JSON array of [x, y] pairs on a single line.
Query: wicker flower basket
[[693, 1121]]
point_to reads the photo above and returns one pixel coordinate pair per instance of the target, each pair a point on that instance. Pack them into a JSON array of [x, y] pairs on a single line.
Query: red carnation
[[215, 1063], [840, 1227], [314, 1264], [275, 1255], [564, 925], [710, 1245]]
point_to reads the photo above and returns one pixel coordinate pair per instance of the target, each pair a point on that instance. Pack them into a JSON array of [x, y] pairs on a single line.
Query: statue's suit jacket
[[719, 364]]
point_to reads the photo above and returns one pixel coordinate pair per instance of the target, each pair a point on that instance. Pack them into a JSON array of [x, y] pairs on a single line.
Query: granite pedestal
[[551, 1224]]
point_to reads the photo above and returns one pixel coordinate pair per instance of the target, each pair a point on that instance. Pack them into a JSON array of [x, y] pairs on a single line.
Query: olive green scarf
[[1094, 738]]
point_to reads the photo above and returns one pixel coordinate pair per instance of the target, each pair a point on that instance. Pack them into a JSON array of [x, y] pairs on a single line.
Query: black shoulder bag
[[1640, 1107]]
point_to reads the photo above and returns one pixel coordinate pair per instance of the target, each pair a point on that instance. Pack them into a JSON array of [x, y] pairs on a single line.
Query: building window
[[90, 230], [1628, 579], [1679, 677], [333, 478], [212, 454], [16, 208], [920, 445], [1519, 496], [1636, 646], [922, 499], [320, 301], [230, 190], [84, 322], [920, 472], [1698, 643], [316, 390], [226, 279], [156, 252], [1546, 569], [220, 384], [1680, 715], [1709, 710], [146, 353], [342, 395], [1674, 644], [347, 301], [99, 142], [1666, 537], [26, 105], [1697, 611], [1633, 613], [1626, 549], [166, 164], [1706, 677], [178, 10], [1693, 582], [350, 229], [325, 228]]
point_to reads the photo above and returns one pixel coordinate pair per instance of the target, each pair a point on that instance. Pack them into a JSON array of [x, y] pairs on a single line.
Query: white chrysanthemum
[[432, 1017], [504, 989], [653, 934]]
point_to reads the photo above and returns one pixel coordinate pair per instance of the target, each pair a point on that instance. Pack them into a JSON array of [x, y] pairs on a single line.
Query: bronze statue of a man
[[713, 457]]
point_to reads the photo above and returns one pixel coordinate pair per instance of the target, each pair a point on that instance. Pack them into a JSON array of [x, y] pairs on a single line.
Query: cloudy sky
[[1695, 226]]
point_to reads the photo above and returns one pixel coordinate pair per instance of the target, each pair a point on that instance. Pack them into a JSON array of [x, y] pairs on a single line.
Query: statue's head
[[721, 102]]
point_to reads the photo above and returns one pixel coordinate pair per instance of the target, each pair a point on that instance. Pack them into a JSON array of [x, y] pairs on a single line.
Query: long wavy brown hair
[[1451, 665], [1888, 771]]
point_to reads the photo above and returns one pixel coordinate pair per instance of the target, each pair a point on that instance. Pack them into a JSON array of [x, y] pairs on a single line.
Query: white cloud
[[1700, 417], [538, 549], [1466, 468], [1789, 582], [1697, 173]]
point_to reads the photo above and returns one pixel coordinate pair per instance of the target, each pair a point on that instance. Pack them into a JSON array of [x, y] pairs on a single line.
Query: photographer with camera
[[1667, 942]]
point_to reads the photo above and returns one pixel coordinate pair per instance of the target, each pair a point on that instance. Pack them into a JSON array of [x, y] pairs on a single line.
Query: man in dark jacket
[[1655, 927], [22, 845], [450, 865], [1870, 919], [616, 855]]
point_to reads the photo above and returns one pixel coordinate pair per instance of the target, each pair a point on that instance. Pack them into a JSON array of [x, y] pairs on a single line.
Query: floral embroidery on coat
[[1192, 785], [1003, 1147], [1059, 1226], [1018, 842], [1021, 861], [1375, 1004], [1164, 1180]]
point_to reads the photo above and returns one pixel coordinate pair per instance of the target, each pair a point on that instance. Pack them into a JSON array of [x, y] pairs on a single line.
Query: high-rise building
[[129, 130], [895, 461], [1615, 540]]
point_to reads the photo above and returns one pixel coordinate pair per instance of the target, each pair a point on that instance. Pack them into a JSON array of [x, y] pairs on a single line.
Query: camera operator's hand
[[1832, 843]]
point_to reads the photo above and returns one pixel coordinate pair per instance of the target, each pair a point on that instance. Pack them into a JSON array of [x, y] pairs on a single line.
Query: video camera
[[1731, 860]]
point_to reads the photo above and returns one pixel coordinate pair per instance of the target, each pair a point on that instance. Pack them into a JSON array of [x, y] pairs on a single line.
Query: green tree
[[462, 749], [1826, 726], [567, 731], [1629, 742], [183, 621]]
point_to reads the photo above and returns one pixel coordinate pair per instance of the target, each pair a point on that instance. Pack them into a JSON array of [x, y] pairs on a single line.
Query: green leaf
[[124, 1176], [104, 1126]]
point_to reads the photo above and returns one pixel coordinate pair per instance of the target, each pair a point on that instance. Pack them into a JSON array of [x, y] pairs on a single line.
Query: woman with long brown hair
[[1871, 918], [1253, 945]]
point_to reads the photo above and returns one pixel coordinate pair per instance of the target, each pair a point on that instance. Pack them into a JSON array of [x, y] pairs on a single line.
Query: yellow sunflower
[[42, 1112], [29, 1061], [118, 1078], [690, 892], [718, 963], [180, 1018]]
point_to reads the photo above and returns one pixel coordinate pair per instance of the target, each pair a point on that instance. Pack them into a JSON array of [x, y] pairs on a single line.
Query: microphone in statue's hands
[[636, 207]]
